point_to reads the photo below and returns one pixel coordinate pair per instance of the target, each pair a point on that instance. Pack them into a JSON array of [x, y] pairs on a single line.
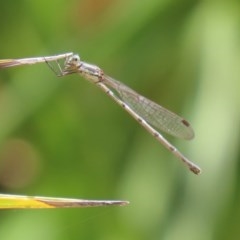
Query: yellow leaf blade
[[22, 202]]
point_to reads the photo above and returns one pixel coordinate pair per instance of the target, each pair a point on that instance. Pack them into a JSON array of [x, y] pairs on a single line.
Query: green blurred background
[[64, 137]]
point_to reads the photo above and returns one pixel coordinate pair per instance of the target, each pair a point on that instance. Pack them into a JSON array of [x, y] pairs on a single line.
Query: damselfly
[[148, 113]]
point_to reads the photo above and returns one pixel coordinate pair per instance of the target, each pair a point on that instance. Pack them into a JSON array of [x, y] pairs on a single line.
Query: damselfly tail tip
[[195, 169]]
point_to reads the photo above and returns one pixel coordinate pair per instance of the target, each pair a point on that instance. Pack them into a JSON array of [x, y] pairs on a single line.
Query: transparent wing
[[154, 114]]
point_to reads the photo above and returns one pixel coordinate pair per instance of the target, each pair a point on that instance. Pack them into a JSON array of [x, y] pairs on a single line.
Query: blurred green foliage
[[63, 137]]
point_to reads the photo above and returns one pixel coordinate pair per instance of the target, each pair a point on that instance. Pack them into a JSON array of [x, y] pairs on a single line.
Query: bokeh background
[[64, 137]]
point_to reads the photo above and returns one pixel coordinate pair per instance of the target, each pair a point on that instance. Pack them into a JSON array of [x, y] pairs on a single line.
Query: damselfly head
[[72, 62]]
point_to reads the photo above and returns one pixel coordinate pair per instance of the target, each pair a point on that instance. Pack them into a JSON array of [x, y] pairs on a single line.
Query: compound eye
[[75, 58]]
